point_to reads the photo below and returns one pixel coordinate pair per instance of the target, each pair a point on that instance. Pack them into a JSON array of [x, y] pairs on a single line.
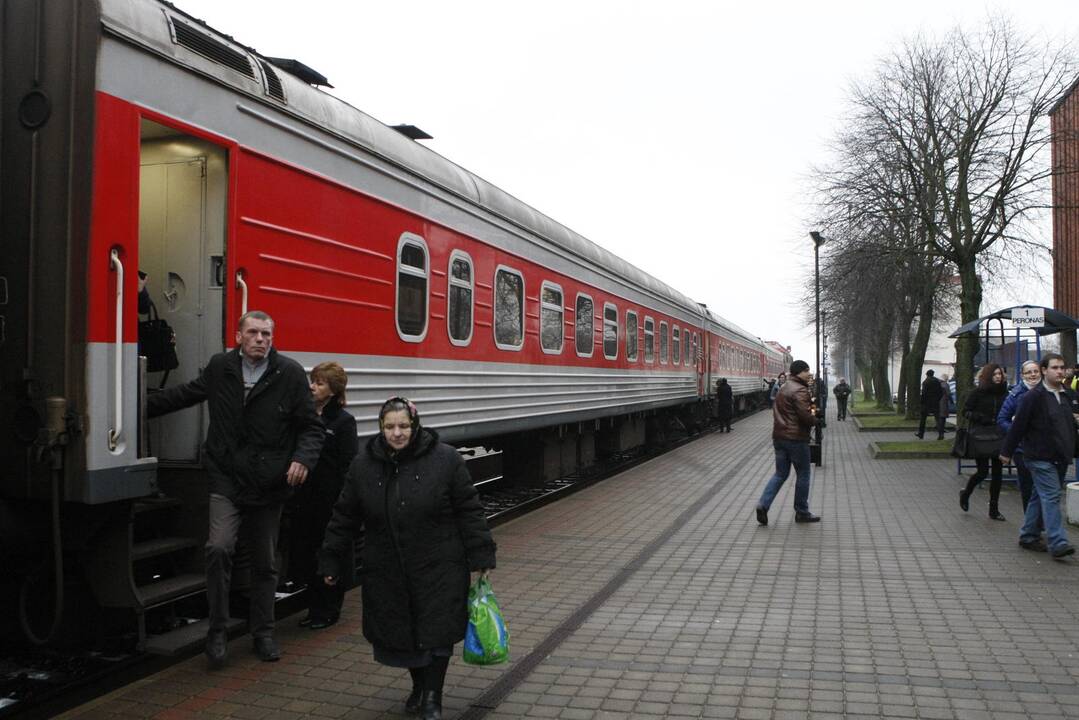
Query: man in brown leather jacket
[[792, 420]]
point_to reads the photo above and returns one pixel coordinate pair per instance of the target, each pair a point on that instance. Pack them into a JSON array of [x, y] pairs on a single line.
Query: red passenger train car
[[137, 139]]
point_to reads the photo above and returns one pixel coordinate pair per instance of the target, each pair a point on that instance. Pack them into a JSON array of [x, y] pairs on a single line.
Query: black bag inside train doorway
[[157, 343]]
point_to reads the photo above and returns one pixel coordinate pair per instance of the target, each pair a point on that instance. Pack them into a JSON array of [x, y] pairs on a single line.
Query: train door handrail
[[243, 291], [118, 410]]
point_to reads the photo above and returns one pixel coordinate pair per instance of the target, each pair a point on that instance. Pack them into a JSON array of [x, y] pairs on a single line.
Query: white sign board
[[1029, 317]]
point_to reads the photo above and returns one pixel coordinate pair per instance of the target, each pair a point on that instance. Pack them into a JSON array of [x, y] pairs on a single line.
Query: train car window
[[551, 313], [509, 309], [610, 331], [676, 346], [461, 292], [585, 334], [631, 336], [649, 339], [664, 341], [412, 288], [691, 358]]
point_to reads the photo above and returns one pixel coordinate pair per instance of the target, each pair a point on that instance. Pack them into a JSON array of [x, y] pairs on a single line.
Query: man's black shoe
[[217, 646], [762, 516], [1063, 551], [306, 622], [919, 436], [1035, 545], [806, 517], [266, 649]]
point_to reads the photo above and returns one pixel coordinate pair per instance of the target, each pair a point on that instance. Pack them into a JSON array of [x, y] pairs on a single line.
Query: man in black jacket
[[1045, 425], [932, 392], [264, 436]]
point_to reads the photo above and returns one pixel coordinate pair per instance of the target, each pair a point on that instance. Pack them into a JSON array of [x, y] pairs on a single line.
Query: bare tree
[[968, 116]]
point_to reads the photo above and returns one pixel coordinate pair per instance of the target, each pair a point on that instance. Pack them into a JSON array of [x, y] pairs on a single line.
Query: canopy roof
[[1055, 322]]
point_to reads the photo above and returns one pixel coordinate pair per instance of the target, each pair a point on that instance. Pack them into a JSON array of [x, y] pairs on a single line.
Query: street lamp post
[[818, 240]]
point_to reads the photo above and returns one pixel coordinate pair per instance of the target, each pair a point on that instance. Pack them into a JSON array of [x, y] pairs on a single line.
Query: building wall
[[1065, 125]]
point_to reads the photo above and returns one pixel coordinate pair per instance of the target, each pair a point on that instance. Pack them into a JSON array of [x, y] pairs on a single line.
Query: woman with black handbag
[[980, 410]]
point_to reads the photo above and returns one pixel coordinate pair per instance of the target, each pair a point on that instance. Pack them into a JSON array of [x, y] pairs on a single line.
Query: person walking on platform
[[1045, 424], [263, 439], [932, 394], [424, 530], [981, 408], [792, 420], [780, 379], [725, 402], [1031, 376], [842, 393], [313, 501]]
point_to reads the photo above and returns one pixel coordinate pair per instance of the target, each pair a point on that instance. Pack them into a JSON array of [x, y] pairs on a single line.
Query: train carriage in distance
[[135, 138]]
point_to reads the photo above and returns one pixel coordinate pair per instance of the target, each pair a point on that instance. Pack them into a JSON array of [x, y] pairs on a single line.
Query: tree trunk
[[865, 375], [970, 304], [905, 324], [916, 358], [881, 386]]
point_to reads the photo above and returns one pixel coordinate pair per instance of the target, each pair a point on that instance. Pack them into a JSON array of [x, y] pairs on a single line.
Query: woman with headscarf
[[424, 531], [981, 409]]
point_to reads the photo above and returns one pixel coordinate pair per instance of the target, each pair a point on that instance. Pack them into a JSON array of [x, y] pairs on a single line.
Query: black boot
[[964, 500], [431, 705], [994, 512], [412, 704]]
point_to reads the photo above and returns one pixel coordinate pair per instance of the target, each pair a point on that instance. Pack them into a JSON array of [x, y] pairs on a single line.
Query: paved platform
[[656, 594]]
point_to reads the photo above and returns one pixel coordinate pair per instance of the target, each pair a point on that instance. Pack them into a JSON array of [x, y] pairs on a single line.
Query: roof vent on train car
[[298, 69], [274, 88], [412, 132], [210, 47]]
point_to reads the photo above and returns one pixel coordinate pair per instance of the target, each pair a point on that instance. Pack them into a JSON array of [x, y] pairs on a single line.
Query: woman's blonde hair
[[333, 375]]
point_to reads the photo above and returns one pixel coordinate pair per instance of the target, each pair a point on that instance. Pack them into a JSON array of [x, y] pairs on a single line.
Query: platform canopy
[[1055, 321]]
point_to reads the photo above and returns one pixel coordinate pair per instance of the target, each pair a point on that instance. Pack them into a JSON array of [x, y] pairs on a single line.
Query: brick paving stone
[[896, 605]]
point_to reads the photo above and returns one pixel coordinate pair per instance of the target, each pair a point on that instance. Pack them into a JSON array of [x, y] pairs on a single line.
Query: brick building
[[1064, 119]]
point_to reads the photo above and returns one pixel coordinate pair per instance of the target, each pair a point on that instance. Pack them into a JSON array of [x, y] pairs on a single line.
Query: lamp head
[[818, 239]]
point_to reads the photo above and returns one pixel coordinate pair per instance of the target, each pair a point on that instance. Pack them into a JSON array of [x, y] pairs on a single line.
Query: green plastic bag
[[487, 640]]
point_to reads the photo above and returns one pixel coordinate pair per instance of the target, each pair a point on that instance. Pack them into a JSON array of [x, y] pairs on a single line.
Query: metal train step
[[174, 588], [185, 638], [161, 546]]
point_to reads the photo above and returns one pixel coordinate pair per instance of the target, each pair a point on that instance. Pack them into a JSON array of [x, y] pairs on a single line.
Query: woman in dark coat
[[725, 400], [981, 408], [313, 501], [424, 531]]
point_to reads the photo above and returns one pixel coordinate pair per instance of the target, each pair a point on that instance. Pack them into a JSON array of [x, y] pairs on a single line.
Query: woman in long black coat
[[981, 408], [424, 531], [313, 501]]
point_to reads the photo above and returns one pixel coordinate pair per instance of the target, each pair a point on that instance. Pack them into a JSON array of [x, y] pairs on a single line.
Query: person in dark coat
[[841, 392], [1031, 377], [264, 437], [1045, 424], [932, 393], [981, 408], [725, 402], [424, 531], [313, 501]]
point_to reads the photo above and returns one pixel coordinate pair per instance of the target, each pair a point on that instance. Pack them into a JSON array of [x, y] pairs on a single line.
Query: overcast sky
[[679, 135]]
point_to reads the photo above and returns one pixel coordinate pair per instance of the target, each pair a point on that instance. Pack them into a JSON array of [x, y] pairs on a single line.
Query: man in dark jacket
[[842, 392], [792, 419], [932, 392], [1045, 425], [264, 436]]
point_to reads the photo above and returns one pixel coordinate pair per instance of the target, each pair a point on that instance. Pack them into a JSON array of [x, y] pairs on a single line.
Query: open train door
[[182, 222]]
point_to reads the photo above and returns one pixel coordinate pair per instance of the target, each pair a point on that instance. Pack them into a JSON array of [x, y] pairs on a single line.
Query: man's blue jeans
[[1044, 506], [789, 452]]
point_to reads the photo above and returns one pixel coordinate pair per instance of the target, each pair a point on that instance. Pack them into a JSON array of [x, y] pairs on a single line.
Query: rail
[[242, 286], [118, 409]]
